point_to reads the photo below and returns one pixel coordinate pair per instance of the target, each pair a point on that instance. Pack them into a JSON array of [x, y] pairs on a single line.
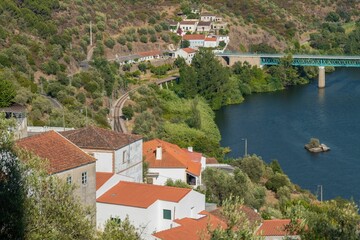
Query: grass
[[349, 27]]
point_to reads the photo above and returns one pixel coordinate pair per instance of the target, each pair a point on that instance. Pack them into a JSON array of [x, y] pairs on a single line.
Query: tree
[[7, 93], [128, 112], [275, 166], [277, 181], [142, 67], [12, 194], [253, 166], [185, 44], [332, 17], [238, 225], [119, 229]]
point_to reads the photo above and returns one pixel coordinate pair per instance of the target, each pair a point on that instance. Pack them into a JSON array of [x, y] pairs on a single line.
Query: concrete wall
[[168, 173], [86, 192], [131, 165], [104, 161]]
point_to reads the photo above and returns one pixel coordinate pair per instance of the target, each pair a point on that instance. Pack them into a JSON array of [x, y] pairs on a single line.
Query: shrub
[[110, 43], [153, 38], [122, 40], [277, 181], [128, 112], [143, 39]]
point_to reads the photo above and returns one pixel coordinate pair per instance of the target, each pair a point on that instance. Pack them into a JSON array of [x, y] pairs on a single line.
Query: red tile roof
[[191, 229], [60, 152], [211, 160], [92, 137], [194, 37], [150, 53], [209, 39], [274, 227], [172, 157], [102, 178], [189, 50], [141, 195]]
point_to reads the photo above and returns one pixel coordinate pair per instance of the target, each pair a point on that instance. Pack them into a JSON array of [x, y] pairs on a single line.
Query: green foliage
[[277, 181], [7, 92], [262, 48], [253, 166], [332, 17], [128, 112], [275, 166], [142, 67], [110, 43], [177, 183], [143, 39], [185, 44], [119, 229], [122, 40]]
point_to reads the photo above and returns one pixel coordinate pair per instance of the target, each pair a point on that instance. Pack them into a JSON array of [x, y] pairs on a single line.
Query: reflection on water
[[277, 125]]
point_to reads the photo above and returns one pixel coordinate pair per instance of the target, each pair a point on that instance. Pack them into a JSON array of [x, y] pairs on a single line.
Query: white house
[[173, 26], [186, 53], [204, 26], [207, 17], [195, 40], [114, 152], [211, 42], [149, 55], [150, 208], [275, 229], [66, 161], [17, 112], [169, 161], [188, 26]]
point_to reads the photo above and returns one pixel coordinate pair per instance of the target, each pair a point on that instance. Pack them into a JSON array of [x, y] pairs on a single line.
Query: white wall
[[196, 43], [166, 173], [104, 161], [212, 44], [187, 56], [150, 220], [132, 166]]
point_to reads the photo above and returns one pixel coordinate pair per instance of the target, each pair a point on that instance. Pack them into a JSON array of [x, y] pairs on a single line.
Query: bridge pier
[[321, 82]]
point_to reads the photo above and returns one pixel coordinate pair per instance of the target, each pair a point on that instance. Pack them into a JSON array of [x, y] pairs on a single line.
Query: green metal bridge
[[320, 61], [299, 60]]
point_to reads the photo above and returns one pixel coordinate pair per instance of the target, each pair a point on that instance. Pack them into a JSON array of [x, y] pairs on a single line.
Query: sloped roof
[[194, 156], [189, 50], [102, 178], [188, 22], [205, 24], [172, 157], [15, 108], [194, 37], [191, 229], [273, 227], [92, 137], [141, 195], [206, 14], [60, 152], [210, 39]]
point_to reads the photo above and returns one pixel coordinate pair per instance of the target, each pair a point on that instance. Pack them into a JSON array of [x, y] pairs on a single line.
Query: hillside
[[42, 44]]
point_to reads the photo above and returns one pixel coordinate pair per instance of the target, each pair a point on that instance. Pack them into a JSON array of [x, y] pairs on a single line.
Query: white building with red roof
[[169, 161], [150, 208], [211, 42], [188, 26], [192, 229], [66, 161], [275, 229], [186, 53], [195, 40], [114, 152]]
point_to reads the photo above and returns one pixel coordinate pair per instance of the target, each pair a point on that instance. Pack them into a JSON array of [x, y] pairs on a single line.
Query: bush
[[277, 181], [122, 40], [129, 46], [143, 39], [153, 38], [110, 43], [142, 67], [128, 112]]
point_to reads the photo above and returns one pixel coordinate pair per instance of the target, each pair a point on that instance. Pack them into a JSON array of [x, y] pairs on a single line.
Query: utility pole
[[63, 118], [86, 118], [91, 42], [321, 192], [245, 150]]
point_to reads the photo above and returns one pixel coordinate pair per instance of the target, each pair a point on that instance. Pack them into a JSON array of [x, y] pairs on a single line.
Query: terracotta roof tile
[[141, 195], [102, 178], [274, 227], [172, 157], [194, 37], [60, 152], [189, 50], [191, 229], [92, 137], [210, 39]]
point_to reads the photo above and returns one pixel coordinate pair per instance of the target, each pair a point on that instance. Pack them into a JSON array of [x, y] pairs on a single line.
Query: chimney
[[158, 155], [190, 149]]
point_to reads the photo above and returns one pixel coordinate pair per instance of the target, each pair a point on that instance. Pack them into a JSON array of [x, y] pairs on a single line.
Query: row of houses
[[107, 168]]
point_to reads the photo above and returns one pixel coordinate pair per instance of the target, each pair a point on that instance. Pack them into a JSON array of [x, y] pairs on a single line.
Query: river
[[278, 124]]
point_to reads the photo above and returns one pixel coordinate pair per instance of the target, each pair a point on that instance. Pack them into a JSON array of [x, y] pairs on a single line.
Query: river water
[[277, 125]]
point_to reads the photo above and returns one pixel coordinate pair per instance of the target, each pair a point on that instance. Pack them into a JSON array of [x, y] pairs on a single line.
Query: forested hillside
[[43, 43]]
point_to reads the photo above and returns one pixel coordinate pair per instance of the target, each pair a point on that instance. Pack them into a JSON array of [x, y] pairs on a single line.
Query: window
[[69, 179], [167, 214], [124, 156], [84, 178]]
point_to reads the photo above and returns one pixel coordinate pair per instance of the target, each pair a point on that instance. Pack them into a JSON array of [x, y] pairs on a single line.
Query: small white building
[[150, 208], [195, 40], [188, 26], [114, 152], [219, 25], [204, 27], [149, 55], [207, 17], [211, 42], [169, 161], [186, 53]]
